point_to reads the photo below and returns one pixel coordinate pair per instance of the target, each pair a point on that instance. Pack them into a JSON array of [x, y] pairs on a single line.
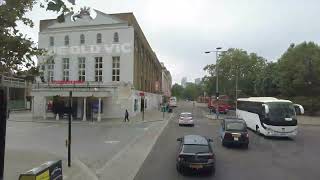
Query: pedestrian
[[126, 116]]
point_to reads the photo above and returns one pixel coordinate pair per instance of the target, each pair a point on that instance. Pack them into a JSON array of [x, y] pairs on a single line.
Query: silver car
[[186, 118]]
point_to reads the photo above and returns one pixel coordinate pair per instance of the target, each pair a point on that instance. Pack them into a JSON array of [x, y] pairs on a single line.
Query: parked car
[[186, 119], [195, 153], [223, 108], [234, 131]]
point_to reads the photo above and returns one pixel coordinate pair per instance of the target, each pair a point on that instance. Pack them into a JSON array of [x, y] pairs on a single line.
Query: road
[[29, 144], [266, 159]]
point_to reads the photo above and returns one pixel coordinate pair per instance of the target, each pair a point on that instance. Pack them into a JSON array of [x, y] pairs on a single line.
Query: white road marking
[[56, 125], [111, 142]]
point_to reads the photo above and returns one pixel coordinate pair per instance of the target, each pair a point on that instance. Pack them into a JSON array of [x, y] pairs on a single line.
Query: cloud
[[179, 31]]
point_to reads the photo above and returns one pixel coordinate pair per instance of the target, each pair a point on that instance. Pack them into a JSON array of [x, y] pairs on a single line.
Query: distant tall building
[[197, 81], [184, 82]]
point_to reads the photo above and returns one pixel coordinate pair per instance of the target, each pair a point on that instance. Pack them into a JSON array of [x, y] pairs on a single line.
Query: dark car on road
[[234, 132], [195, 153]]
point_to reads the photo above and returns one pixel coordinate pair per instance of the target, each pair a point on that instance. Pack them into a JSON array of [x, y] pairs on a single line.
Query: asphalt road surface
[[276, 159]]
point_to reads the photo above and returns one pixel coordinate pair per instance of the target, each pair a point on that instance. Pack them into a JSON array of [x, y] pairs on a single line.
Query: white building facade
[[101, 61]]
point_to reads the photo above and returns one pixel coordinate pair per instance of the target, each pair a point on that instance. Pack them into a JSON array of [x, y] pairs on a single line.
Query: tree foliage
[[177, 91], [296, 75], [17, 50], [299, 73], [191, 91], [236, 63]]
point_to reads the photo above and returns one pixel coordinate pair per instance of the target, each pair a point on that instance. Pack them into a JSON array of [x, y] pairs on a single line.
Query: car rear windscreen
[[236, 126], [185, 115], [195, 148]]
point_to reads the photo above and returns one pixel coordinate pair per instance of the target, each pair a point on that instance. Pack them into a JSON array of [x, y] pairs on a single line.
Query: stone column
[[84, 109], [99, 110]]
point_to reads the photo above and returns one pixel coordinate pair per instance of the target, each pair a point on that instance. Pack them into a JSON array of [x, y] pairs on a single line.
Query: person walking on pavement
[[126, 116]]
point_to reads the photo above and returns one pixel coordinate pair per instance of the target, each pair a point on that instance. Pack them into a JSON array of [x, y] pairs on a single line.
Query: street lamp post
[[217, 78]]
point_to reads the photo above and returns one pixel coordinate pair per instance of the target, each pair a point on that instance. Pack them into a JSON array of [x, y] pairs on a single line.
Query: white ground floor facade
[[92, 104]]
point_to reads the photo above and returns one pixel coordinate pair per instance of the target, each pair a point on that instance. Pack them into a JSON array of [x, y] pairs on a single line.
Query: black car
[[234, 131], [195, 153]]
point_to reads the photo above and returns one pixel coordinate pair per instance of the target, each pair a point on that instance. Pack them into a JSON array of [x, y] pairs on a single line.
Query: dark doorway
[[142, 104]]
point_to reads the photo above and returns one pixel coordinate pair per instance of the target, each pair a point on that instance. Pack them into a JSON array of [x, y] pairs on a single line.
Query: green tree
[[16, 50], [237, 62], [209, 85], [192, 91], [177, 91], [267, 81], [300, 70], [299, 73]]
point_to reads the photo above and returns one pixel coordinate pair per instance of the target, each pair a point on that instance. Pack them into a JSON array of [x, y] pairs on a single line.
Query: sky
[[179, 31]]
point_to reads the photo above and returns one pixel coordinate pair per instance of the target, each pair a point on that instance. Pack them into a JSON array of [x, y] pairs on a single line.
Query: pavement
[[110, 149], [26, 116], [266, 158]]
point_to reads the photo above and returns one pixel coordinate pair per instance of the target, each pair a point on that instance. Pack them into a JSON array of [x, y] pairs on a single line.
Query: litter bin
[[51, 170]]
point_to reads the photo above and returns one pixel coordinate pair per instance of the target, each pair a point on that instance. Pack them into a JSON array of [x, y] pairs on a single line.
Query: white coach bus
[[270, 116]]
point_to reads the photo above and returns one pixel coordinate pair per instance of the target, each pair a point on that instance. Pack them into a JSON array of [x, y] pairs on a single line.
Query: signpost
[[3, 126], [69, 131]]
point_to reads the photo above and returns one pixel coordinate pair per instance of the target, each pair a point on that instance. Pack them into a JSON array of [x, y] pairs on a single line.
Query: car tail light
[[227, 135], [180, 158], [211, 158], [246, 135]]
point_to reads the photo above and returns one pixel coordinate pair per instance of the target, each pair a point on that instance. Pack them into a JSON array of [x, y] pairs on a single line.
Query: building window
[[99, 38], [115, 37], [116, 68], [82, 39], [66, 40], [98, 69], [65, 67], [82, 68], [50, 70], [51, 41]]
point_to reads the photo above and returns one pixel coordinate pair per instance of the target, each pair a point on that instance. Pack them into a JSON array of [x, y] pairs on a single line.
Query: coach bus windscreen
[[282, 111]]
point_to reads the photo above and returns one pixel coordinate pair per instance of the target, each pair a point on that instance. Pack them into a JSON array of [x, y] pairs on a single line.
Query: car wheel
[[257, 130], [212, 171], [246, 146], [179, 169]]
